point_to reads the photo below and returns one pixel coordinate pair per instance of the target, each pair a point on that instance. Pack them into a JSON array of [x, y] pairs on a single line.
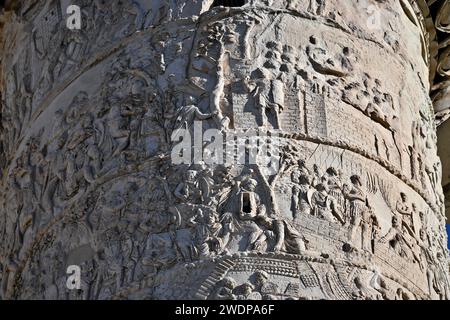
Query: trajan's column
[[95, 120]]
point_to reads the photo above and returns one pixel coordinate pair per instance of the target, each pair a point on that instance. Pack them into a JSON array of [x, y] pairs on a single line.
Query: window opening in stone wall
[[246, 203]]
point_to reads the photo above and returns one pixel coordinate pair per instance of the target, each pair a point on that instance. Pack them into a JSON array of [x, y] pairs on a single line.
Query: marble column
[[344, 200]]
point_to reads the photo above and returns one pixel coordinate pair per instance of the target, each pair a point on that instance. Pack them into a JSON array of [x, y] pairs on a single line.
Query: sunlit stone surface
[[351, 207]]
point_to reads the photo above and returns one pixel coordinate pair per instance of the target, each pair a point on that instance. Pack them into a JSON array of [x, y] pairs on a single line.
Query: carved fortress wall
[[355, 209]]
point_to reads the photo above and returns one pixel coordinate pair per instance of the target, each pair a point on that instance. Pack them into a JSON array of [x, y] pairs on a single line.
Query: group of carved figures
[[258, 287], [419, 245], [217, 209], [327, 197]]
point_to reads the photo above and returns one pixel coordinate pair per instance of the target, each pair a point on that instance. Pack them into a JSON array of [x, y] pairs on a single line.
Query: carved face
[[228, 283], [247, 288], [250, 185], [190, 100], [301, 163], [395, 222], [190, 175], [211, 219], [261, 277], [404, 197], [422, 235]]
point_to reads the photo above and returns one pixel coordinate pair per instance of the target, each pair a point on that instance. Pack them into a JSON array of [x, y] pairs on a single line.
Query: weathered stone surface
[[441, 92], [353, 208]]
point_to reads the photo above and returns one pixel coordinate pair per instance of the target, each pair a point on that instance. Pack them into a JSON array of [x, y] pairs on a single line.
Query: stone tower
[[335, 94]]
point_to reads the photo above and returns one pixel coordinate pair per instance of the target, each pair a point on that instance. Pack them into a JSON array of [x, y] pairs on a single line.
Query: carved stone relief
[[354, 211]]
